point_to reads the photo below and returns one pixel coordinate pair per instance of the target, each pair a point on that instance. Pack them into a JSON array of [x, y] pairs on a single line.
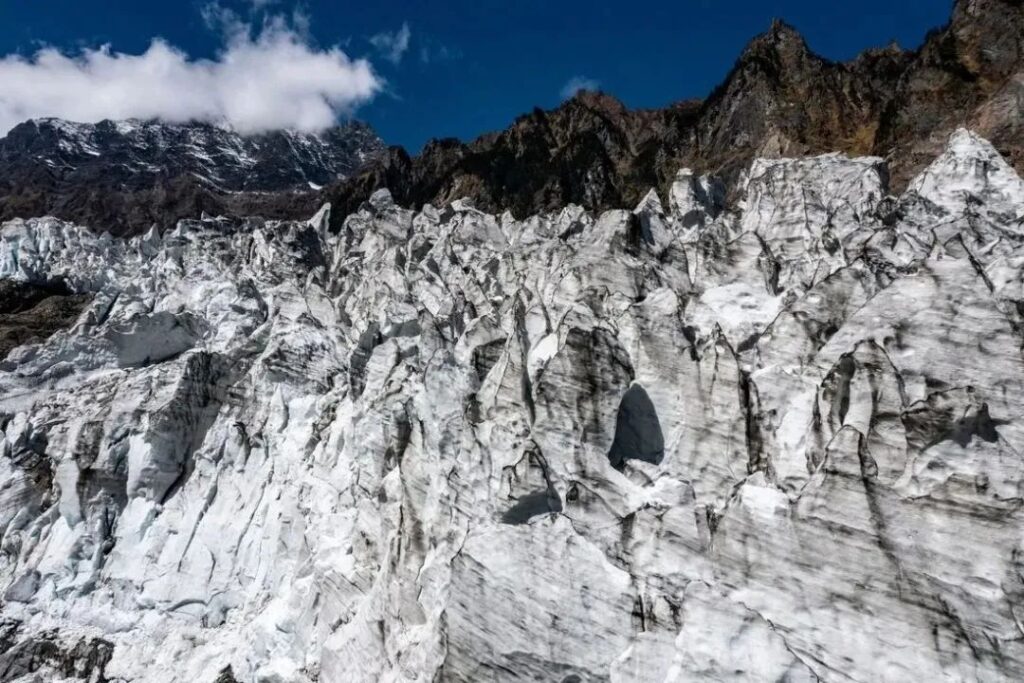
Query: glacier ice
[[777, 442]]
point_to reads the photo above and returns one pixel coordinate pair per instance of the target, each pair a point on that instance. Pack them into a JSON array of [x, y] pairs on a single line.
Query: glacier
[[780, 440]]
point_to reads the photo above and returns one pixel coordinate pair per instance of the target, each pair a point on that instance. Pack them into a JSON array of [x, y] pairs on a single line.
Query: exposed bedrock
[[776, 442]]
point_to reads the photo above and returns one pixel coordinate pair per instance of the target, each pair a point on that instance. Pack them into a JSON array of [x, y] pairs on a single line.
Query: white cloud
[[577, 83], [392, 46], [273, 77]]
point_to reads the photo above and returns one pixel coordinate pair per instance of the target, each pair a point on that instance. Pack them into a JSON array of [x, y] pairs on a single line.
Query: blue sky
[[471, 67]]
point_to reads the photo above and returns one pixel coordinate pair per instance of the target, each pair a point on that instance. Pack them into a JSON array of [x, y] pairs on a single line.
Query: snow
[[215, 155]]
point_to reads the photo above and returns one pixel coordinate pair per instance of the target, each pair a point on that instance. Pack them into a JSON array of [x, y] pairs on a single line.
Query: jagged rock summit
[[780, 99], [670, 443]]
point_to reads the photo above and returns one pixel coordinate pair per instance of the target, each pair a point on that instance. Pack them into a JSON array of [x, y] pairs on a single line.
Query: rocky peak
[[968, 72], [779, 100], [781, 43], [598, 101]]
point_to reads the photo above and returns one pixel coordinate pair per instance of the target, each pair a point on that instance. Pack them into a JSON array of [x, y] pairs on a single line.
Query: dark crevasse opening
[[638, 433], [486, 356], [980, 424], [531, 505], [368, 341]]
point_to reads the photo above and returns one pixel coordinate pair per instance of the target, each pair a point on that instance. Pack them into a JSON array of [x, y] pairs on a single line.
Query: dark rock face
[[124, 176], [970, 72], [44, 654], [591, 151], [226, 676], [31, 313], [780, 99]]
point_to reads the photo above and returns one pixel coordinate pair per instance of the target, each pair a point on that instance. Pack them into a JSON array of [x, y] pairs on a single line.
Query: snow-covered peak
[[138, 154]]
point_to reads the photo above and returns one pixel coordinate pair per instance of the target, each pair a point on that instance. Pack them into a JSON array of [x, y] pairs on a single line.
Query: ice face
[[781, 442]]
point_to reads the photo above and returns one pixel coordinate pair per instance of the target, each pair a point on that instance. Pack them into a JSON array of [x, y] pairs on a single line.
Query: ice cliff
[[780, 441]]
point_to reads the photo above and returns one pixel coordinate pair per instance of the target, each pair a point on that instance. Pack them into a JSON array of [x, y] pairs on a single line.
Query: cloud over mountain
[[261, 79], [577, 83]]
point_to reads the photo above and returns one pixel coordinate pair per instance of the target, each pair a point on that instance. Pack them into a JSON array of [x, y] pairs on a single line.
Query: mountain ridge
[[136, 173], [150, 149], [780, 99]]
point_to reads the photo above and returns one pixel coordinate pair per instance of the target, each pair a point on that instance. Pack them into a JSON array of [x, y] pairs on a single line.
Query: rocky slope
[[780, 99], [31, 312], [125, 176], [664, 444]]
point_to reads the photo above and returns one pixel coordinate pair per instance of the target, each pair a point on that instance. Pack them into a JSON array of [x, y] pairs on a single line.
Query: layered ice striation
[[782, 442]]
